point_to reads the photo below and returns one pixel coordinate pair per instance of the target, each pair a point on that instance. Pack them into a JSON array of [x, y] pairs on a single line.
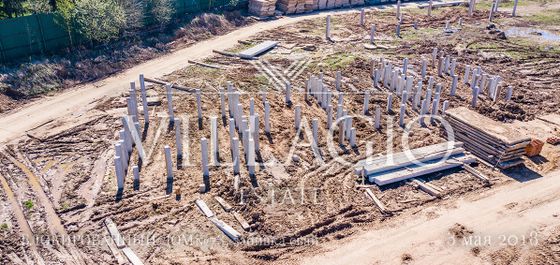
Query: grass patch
[[238, 48], [4, 226], [28, 204], [547, 17], [337, 61], [262, 80]]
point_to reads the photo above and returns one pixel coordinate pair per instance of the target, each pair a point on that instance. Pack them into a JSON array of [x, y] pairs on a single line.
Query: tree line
[[97, 20]]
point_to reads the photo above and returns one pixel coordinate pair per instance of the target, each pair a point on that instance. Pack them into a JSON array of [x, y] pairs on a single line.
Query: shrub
[[99, 20], [28, 204]]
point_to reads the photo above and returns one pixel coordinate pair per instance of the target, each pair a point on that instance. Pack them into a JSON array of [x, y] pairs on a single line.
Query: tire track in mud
[[22, 221], [53, 220]]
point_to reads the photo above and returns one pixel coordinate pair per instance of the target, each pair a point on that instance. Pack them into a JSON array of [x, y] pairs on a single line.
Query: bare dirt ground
[[299, 211]]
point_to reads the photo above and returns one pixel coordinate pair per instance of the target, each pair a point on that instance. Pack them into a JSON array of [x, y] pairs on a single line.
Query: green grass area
[[4, 226], [239, 47], [262, 80], [547, 17], [337, 61], [28, 204]]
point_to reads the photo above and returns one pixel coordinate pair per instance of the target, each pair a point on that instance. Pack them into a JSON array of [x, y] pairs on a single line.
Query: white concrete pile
[[262, 8]]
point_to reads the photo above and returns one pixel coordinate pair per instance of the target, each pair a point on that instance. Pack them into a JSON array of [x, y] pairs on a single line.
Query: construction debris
[[242, 221], [223, 203], [414, 163], [375, 200], [426, 187], [204, 208], [206, 65], [258, 49], [492, 141], [228, 230], [534, 148]]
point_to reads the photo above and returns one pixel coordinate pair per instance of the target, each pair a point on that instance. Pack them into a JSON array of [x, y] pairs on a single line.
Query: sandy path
[[512, 210], [80, 99]]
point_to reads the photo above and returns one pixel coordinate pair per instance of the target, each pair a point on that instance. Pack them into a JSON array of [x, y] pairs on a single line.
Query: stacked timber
[[413, 163], [262, 8], [492, 141]]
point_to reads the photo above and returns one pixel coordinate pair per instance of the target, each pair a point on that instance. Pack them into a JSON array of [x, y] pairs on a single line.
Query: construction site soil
[[296, 202]]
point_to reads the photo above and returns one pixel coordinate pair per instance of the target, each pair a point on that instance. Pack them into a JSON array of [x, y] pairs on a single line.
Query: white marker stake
[[444, 107], [288, 93], [214, 140], [119, 172], [453, 86], [168, 162], [235, 155], [329, 117], [251, 106], [178, 138], [353, 137], [136, 174], [204, 157], [466, 76], [390, 103], [134, 100], [222, 103], [338, 78], [475, 96], [362, 17], [199, 104], [377, 117], [251, 157], [365, 110], [509, 93], [402, 113], [424, 66], [266, 117], [297, 117], [514, 8], [169, 102], [328, 28], [144, 100]]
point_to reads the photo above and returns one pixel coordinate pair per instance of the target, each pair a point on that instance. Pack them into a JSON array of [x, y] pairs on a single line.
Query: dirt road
[[503, 215]]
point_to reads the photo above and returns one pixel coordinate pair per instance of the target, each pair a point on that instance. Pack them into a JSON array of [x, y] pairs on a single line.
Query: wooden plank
[[242, 221], [204, 208], [476, 173], [176, 86], [114, 232], [426, 188], [258, 49], [375, 200], [206, 65], [397, 175], [131, 256], [226, 229], [487, 126], [402, 159], [223, 203]]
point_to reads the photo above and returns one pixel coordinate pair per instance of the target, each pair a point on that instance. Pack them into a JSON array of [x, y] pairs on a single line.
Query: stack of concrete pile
[[493, 141], [292, 6], [262, 8], [300, 6]]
